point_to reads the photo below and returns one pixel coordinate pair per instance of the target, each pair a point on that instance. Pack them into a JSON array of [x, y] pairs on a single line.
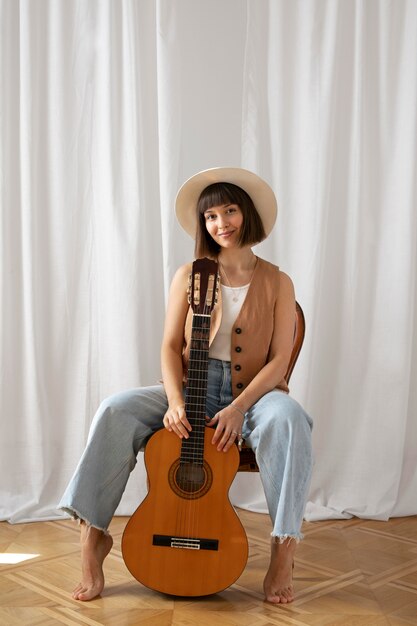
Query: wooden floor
[[346, 572]]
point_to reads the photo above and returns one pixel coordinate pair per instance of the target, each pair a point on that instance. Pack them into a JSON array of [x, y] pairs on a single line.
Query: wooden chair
[[247, 456]]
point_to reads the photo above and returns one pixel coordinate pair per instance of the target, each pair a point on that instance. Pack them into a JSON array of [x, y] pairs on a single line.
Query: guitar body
[[185, 538]]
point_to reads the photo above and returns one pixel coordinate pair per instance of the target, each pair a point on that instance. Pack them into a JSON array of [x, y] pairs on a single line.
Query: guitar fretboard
[[192, 449]]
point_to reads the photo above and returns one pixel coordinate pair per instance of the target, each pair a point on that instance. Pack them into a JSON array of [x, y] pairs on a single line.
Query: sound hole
[[190, 480], [190, 477]]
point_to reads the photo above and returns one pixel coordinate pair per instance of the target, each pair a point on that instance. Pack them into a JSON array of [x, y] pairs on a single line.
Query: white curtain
[[106, 107]]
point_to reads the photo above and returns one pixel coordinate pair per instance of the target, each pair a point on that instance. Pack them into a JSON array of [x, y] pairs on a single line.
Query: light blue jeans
[[275, 427]]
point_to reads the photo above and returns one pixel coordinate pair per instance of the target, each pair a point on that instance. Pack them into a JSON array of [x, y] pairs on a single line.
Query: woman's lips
[[229, 232]]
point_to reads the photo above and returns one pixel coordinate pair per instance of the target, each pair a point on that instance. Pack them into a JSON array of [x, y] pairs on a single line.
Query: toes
[[85, 594], [283, 596], [83, 597], [77, 590], [273, 599], [286, 595]]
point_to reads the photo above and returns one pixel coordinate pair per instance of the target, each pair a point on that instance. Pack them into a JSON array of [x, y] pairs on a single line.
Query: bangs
[[218, 194]]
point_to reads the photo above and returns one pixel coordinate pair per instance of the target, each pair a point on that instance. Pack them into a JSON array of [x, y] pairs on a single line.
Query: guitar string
[[197, 452], [200, 364], [184, 504], [187, 444]]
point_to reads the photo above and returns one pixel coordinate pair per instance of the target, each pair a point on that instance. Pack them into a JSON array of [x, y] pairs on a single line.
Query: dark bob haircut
[[219, 194]]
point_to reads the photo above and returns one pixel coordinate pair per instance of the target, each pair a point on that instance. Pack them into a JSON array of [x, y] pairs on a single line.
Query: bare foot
[[95, 546], [278, 587]]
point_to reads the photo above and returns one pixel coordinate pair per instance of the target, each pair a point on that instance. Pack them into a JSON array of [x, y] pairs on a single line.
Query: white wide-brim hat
[[260, 192]]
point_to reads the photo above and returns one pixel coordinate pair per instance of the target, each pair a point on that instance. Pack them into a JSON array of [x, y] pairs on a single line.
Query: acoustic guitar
[[185, 538]]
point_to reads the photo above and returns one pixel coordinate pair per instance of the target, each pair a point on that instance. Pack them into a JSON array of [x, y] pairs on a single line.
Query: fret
[[196, 380], [200, 324], [195, 439], [197, 426], [196, 420], [196, 446], [193, 407], [195, 361], [196, 404], [193, 395], [195, 450]]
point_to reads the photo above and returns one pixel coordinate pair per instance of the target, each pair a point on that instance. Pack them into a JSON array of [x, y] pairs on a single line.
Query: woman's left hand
[[229, 428]]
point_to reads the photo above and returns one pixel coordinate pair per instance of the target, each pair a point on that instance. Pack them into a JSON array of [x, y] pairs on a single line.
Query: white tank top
[[232, 300]]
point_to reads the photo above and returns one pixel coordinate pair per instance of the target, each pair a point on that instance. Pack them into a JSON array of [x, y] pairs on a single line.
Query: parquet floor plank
[[347, 573]]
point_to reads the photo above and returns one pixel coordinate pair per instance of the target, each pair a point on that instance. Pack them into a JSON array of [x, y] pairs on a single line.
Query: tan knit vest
[[252, 331]]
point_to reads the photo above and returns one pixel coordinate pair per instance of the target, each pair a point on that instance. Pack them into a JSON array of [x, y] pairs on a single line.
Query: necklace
[[237, 290]]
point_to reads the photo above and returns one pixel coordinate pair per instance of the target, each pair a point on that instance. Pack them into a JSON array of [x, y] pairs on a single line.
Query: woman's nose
[[223, 221]]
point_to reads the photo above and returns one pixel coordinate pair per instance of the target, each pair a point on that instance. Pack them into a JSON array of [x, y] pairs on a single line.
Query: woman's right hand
[[176, 421]]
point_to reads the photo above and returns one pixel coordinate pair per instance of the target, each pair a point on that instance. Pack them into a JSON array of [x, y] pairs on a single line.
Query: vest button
[[238, 331], [239, 385], [238, 349], [238, 368]]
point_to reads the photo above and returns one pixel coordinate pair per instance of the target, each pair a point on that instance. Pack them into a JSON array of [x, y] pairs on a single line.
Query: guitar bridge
[[185, 543]]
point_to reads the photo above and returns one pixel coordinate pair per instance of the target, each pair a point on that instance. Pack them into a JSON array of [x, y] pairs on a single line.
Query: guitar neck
[[192, 449]]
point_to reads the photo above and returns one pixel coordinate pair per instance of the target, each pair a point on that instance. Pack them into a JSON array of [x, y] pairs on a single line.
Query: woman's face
[[224, 224]]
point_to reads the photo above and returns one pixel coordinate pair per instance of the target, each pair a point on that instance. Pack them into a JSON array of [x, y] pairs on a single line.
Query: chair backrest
[[299, 332]]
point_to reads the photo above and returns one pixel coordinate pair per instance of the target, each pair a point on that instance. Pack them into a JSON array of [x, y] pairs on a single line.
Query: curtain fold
[[337, 130], [105, 109]]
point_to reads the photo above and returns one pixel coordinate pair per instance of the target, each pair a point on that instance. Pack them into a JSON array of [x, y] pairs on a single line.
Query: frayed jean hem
[[78, 517], [297, 537]]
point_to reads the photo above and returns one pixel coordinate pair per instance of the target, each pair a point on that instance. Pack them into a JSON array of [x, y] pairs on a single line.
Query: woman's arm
[[230, 419], [171, 352]]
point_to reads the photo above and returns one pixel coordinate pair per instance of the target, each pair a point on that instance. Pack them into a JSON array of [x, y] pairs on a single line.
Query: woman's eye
[[209, 217]]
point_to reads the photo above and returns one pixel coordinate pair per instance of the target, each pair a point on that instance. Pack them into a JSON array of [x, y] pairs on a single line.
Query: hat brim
[[260, 192]]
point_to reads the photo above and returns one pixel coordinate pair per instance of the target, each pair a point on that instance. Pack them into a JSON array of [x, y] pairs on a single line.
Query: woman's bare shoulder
[[182, 273], [285, 280]]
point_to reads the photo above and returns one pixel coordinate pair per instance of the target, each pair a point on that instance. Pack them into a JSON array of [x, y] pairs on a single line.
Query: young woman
[[227, 210]]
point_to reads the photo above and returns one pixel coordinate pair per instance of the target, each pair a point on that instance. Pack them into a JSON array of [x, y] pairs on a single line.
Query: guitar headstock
[[203, 286]]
